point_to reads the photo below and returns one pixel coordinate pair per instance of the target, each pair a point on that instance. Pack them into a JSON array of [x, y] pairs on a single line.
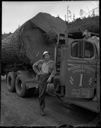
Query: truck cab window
[[88, 50], [76, 49]]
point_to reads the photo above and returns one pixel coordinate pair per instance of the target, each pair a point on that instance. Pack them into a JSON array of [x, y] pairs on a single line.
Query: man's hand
[[39, 73], [49, 80]]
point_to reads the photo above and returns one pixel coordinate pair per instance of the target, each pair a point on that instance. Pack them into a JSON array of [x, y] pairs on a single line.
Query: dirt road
[[17, 111]]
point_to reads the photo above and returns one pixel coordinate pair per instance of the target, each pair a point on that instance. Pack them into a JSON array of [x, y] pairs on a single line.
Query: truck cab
[[77, 71]]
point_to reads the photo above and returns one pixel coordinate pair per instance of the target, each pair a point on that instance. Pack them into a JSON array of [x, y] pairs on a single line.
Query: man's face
[[46, 56]]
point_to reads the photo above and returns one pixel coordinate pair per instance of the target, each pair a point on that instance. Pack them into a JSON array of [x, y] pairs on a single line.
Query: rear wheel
[[11, 81], [20, 86]]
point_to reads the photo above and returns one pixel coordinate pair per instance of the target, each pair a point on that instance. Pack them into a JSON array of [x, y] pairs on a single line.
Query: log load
[[27, 43]]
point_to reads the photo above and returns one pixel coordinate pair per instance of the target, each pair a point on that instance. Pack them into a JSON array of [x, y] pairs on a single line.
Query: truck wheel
[[20, 87], [11, 81]]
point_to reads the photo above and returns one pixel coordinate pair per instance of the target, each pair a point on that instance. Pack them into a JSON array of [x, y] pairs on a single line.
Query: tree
[[73, 17], [93, 13], [81, 13], [68, 14]]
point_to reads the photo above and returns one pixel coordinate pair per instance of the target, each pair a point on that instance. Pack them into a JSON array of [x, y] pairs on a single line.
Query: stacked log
[[28, 42]]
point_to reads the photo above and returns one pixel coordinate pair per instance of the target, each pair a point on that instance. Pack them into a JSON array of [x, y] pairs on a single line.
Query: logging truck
[[77, 78]]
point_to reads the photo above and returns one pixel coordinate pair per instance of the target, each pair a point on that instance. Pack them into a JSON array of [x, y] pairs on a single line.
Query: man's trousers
[[42, 89]]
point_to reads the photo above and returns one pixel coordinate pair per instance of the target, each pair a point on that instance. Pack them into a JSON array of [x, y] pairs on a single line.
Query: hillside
[[90, 23]]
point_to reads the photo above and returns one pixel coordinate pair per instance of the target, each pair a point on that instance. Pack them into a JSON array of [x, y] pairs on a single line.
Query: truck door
[[89, 69], [74, 69], [80, 70]]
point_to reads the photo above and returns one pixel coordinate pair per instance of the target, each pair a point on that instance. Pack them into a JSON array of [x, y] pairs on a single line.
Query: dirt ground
[[17, 111]]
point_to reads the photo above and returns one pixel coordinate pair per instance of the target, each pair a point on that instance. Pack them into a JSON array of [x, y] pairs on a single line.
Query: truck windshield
[[76, 49], [82, 49]]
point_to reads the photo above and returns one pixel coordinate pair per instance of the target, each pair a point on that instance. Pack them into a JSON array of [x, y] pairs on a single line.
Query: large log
[[10, 48], [28, 42]]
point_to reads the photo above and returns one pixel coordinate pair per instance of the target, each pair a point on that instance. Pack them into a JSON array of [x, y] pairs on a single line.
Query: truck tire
[[11, 81], [20, 87]]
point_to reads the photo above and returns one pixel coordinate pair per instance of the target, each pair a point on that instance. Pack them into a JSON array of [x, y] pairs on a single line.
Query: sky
[[14, 14]]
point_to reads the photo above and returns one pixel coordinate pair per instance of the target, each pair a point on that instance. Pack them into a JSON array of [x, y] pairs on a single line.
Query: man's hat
[[45, 52]]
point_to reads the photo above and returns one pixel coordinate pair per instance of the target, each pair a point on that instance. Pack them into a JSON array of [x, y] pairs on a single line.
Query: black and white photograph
[[50, 64]]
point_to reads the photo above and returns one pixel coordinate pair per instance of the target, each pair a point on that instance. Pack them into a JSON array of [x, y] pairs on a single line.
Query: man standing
[[86, 34], [45, 71]]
